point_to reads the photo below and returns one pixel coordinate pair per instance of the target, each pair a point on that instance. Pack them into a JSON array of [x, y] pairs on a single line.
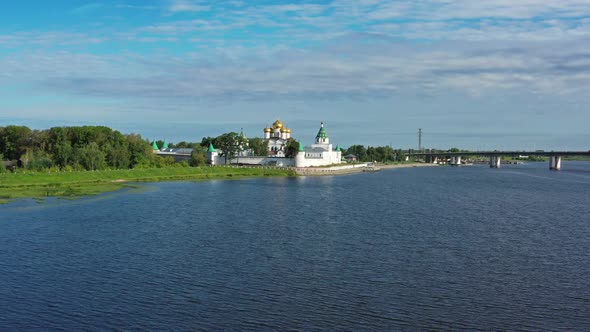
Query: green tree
[[14, 141], [90, 157], [39, 140], [26, 158], [230, 144], [372, 154], [2, 167], [41, 161], [359, 151], [259, 146], [399, 155], [197, 158], [291, 147], [181, 145], [63, 154], [118, 156], [209, 140], [140, 151], [163, 162]]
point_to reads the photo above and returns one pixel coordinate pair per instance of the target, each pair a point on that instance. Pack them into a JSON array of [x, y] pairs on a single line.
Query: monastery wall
[[270, 161]]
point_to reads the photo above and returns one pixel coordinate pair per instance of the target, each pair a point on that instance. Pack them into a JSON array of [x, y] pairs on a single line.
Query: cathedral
[[277, 136]]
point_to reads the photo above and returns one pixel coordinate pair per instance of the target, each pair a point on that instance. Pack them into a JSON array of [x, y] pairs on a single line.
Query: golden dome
[[267, 130], [288, 130], [277, 124], [284, 130]]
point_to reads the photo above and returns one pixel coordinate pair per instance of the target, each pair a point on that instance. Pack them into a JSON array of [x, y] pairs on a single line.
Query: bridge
[[495, 157]]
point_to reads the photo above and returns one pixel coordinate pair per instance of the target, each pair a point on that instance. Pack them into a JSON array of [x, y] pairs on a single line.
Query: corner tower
[[212, 155], [300, 156]]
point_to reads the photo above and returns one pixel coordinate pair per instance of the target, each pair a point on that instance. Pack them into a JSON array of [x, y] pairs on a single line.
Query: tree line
[[100, 147], [74, 148], [377, 153]]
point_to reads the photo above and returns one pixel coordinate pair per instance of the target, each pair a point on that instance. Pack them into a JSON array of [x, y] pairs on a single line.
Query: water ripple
[[410, 249]]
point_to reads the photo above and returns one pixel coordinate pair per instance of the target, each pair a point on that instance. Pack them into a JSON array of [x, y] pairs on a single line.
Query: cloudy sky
[[488, 74]]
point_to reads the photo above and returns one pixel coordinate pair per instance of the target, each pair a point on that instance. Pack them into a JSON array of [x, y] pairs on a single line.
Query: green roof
[[211, 148], [155, 146], [322, 133], [338, 148], [301, 149], [165, 146]]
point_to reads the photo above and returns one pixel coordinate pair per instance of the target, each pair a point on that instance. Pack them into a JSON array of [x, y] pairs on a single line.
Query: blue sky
[[493, 74]]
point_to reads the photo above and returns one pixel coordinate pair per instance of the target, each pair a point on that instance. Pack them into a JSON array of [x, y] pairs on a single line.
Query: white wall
[[284, 162], [328, 158]]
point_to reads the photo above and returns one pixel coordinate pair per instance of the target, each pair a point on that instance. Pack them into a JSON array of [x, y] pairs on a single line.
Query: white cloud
[[426, 20], [469, 9], [127, 6], [187, 6], [346, 69], [351, 54], [50, 38]]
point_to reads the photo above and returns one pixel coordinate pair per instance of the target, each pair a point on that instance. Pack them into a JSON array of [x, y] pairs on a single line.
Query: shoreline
[[329, 171], [39, 185]]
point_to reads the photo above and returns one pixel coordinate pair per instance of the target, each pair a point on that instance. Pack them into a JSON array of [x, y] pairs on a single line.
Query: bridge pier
[[555, 163], [495, 161], [455, 161]]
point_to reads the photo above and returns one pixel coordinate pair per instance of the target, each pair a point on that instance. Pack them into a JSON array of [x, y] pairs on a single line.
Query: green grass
[[27, 184]]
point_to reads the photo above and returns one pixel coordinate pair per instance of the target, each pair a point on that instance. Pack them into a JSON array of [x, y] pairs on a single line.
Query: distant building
[[350, 158], [318, 154], [277, 136]]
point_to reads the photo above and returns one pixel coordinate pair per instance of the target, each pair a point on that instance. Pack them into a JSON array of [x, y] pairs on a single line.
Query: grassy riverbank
[[25, 184]]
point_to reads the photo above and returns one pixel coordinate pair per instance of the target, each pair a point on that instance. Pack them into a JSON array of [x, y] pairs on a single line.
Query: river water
[[405, 249]]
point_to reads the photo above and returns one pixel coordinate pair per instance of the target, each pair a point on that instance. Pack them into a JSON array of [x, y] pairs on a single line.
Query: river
[[433, 248]]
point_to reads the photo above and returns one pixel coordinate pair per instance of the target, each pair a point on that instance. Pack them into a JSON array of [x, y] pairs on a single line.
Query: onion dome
[[267, 130], [288, 130], [284, 130], [277, 124]]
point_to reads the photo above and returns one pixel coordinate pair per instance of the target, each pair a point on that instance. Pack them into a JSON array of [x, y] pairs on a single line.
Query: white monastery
[[318, 154]]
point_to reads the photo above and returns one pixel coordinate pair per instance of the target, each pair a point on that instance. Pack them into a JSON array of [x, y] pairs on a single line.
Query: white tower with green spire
[[300, 156], [212, 155], [320, 153], [322, 136]]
